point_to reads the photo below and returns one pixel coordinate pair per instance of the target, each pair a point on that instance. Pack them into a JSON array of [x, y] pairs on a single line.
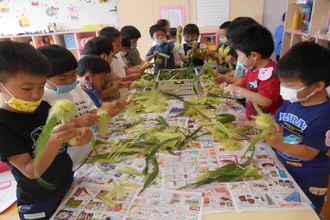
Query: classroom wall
[[144, 13]]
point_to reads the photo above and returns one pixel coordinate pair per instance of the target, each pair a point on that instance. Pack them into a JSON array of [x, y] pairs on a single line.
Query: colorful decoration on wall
[[24, 22], [52, 11], [3, 6], [73, 12], [34, 3]]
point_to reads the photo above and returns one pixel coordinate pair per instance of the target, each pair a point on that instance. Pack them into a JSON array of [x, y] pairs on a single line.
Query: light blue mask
[[133, 46], [89, 85], [224, 40], [64, 88]]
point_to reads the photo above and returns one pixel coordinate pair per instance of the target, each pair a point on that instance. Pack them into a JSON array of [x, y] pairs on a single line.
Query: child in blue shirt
[[304, 119], [23, 114], [158, 35]]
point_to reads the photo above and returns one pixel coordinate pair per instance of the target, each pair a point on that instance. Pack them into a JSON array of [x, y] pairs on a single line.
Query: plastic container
[[296, 20]]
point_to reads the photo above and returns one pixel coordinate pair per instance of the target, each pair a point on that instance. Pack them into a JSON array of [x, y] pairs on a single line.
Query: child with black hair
[[157, 34], [124, 51], [92, 71], [233, 28], [177, 59], [166, 25], [62, 84], [191, 35], [254, 46], [133, 35], [227, 57], [23, 114], [304, 119]]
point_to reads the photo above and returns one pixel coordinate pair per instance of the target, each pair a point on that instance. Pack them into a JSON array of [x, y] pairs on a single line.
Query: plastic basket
[[177, 86]]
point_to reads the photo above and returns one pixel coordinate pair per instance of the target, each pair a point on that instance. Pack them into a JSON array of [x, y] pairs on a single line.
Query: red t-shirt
[[265, 83]]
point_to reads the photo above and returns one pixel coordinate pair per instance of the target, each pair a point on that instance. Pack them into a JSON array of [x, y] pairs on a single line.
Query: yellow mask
[[20, 104]]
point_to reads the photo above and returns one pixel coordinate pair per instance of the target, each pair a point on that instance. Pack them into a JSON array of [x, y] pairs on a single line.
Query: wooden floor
[[326, 206]]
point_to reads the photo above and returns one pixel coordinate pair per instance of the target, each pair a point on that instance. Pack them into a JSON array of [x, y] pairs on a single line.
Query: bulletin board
[[19, 16]]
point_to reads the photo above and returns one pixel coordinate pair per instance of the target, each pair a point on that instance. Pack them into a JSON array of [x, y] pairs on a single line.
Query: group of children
[[31, 80]]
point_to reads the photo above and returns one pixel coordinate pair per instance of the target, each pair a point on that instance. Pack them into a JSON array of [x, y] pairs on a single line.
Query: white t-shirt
[[118, 67], [84, 105]]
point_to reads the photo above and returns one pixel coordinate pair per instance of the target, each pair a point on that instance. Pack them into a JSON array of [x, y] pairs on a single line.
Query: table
[[304, 213]]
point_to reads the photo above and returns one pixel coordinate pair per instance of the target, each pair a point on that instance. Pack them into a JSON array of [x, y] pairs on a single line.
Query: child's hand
[[125, 84], [121, 103], [84, 135], [210, 52], [86, 120], [111, 107], [115, 84], [273, 137], [231, 88], [62, 133], [219, 79], [155, 54], [179, 29], [230, 59], [189, 53]]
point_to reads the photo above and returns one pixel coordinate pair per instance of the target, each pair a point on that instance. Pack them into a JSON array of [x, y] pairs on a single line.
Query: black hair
[[225, 25], [306, 61], [98, 46], [125, 42], [17, 57], [92, 64], [237, 24], [173, 32], [255, 38], [60, 59], [191, 29], [155, 28], [131, 32], [283, 17], [109, 33], [163, 22]]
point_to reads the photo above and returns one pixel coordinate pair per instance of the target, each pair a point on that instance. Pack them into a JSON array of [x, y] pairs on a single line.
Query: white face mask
[[245, 67], [291, 94], [122, 53], [160, 42]]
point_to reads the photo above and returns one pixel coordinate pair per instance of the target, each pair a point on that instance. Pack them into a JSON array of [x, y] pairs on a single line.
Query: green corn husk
[[128, 170], [104, 121], [59, 113]]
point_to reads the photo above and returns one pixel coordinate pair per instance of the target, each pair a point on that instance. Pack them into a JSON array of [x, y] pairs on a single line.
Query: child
[[254, 45], [133, 35], [233, 28], [92, 71], [227, 57], [110, 89], [166, 25], [304, 119], [278, 36], [124, 51], [191, 34], [158, 35], [62, 84], [23, 72], [118, 67]]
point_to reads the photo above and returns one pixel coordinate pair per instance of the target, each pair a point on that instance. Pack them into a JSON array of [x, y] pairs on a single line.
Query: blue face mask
[[224, 40], [133, 46], [89, 85], [64, 88]]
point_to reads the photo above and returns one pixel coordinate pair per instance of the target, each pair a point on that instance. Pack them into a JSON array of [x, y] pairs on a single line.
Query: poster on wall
[[174, 14], [34, 16]]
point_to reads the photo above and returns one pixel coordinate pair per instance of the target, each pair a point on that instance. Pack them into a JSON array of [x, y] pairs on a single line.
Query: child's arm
[[237, 88], [228, 78], [110, 91], [115, 107], [153, 55], [61, 134], [86, 120], [302, 152]]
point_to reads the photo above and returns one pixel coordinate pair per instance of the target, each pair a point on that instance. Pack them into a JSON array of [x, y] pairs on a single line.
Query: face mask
[[291, 94], [20, 104], [64, 88], [160, 42], [245, 67], [224, 40], [122, 53], [89, 85], [133, 46]]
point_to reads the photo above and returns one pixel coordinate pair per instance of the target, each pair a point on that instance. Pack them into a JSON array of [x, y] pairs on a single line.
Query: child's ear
[[88, 77], [319, 86], [255, 55], [103, 56]]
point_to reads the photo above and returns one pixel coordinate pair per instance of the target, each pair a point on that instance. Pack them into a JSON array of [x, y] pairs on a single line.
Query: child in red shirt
[[254, 46]]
